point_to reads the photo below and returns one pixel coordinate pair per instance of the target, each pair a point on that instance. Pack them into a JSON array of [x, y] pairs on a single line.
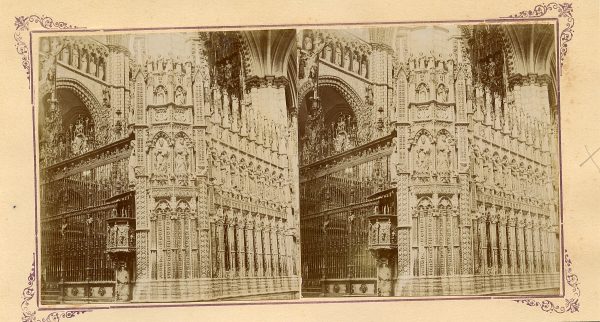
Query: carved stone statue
[[313, 74], [161, 155], [384, 277], [181, 157], [75, 58], [356, 64], [444, 161], [364, 69], [122, 283], [328, 53], [374, 231], [338, 56], [369, 97], [308, 43], [423, 155], [83, 65], [79, 143], [442, 94], [92, 66], [101, 71], [346, 60], [179, 96], [302, 65]]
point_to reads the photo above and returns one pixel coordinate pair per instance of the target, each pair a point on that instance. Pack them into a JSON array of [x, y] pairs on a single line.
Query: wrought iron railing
[[335, 205], [77, 197]]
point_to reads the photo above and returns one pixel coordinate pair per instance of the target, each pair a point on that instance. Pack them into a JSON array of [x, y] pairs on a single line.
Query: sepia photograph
[[301, 161], [167, 164], [429, 160], [408, 161]]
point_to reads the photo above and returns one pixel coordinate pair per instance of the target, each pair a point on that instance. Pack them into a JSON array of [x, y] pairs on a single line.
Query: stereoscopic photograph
[[279, 164]]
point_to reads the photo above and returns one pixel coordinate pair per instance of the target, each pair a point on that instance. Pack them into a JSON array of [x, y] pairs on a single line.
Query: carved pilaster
[[142, 228], [466, 244]]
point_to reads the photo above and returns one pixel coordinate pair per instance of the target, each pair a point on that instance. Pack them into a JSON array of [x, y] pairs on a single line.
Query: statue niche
[[181, 159], [442, 94], [81, 130], [422, 156], [122, 289], [179, 96], [342, 136], [444, 157], [356, 63], [338, 56], [307, 43], [161, 159]]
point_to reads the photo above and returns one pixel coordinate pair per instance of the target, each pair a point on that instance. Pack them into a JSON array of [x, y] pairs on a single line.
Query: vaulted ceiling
[[533, 48], [270, 51]]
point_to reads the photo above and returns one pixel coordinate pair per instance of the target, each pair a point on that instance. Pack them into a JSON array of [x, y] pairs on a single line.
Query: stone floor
[[548, 291]]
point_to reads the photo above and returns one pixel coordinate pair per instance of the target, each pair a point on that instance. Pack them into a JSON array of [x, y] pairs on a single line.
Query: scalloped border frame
[[563, 13]]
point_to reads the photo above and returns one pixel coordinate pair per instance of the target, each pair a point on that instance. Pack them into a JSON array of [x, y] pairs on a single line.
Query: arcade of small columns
[[479, 202], [86, 57], [515, 227], [223, 164]]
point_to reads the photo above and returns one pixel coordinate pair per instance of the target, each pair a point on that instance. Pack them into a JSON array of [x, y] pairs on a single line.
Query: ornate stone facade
[[473, 169], [209, 164]]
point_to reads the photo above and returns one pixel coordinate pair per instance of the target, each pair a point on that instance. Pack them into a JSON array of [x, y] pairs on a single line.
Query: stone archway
[[342, 87], [357, 107], [90, 101]]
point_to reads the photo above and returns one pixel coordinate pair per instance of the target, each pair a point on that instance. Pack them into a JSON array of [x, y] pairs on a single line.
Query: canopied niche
[[327, 126]]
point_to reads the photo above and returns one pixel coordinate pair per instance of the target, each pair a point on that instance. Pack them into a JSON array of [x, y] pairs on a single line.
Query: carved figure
[[442, 94], [122, 283], [181, 156], [338, 56], [179, 96], [423, 155], [443, 155], [369, 97], [161, 156], [307, 43]]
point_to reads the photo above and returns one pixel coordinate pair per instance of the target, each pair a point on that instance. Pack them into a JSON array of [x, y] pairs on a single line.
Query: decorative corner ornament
[[30, 312], [22, 27], [571, 304], [565, 18]]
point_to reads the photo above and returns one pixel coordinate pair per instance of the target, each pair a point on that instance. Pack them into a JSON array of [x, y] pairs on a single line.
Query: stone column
[[483, 260], [512, 242], [274, 248], [494, 239], [241, 249], [230, 231], [221, 247], [537, 244], [521, 243], [546, 246], [267, 246], [258, 246], [529, 243], [250, 244], [503, 242]]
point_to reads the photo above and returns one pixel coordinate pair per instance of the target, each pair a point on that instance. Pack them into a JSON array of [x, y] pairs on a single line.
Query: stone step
[[311, 294]]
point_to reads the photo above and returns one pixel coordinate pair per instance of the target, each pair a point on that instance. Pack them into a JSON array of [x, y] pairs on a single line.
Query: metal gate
[[335, 205], [77, 196]]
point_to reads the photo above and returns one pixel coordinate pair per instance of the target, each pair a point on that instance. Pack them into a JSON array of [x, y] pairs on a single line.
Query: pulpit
[[382, 239], [120, 244]]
